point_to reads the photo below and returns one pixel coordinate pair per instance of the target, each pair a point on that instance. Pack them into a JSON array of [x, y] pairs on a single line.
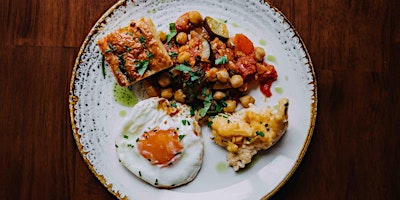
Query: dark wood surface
[[355, 49]]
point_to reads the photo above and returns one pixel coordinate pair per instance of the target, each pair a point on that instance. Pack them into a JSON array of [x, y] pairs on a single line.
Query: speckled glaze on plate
[[97, 119]]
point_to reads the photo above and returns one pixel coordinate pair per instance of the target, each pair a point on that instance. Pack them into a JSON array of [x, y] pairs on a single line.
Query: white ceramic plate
[[96, 118]]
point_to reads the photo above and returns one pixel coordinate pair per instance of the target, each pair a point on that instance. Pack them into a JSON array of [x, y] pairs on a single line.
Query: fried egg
[[161, 143]]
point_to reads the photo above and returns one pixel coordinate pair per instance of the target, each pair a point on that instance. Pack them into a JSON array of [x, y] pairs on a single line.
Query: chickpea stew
[[211, 71]]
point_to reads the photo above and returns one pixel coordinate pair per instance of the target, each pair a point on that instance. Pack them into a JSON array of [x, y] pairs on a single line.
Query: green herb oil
[[124, 96], [262, 42], [278, 90]]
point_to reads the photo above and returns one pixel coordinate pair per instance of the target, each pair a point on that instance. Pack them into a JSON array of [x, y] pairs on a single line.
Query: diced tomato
[[246, 66], [243, 44], [267, 78]]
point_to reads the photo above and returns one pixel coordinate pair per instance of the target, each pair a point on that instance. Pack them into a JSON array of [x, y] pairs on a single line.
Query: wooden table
[[355, 49]]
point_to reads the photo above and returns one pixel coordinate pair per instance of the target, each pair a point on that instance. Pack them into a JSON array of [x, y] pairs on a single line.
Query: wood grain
[[355, 49]]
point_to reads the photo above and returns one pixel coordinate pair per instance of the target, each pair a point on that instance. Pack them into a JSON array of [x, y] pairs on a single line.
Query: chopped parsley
[[181, 137], [221, 60], [126, 137], [112, 48], [183, 68], [143, 41], [127, 49], [209, 123], [141, 66], [206, 104], [173, 104], [184, 122], [260, 133], [103, 66], [156, 183], [172, 32], [192, 112], [150, 55], [173, 54]]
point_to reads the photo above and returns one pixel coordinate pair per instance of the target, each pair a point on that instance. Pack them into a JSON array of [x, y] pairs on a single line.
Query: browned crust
[[125, 48]]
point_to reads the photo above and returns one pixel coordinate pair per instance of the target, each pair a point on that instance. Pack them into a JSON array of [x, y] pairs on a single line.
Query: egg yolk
[[160, 146]]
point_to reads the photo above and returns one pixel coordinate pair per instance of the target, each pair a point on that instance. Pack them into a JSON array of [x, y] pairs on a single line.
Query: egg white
[[146, 116]]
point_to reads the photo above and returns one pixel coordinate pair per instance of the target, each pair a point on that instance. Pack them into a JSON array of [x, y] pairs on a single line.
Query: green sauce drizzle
[[124, 96], [271, 58], [278, 90], [262, 42], [221, 167], [122, 113]]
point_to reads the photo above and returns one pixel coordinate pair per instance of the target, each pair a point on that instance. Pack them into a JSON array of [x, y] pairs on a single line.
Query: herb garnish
[[173, 104], [112, 48], [260, 133], [150, 55], [183, 68], [184, 122], [206, 104], [122, 68], [103, 66], [172, 32], [143, 41], [221, 60], [126, 137], [173, 54], [194, 75], [181, 137], [141, 66]]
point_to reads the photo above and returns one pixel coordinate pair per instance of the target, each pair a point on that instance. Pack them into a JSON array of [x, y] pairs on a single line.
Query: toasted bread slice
[[135, 52]]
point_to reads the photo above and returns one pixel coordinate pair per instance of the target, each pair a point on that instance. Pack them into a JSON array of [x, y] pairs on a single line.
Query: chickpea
[[221, 86], [181, 38], [195, 18], [162, 35], [246, 100], [223, 76], [218, 95], [183, 56], [150, 89], [164, 80], [230, 106], [179, 96], [211, 75], [203, 95], [166, 93], [236, 81], [261, 68], [244, 87], [259, 54], [192, 43], [233, 67]]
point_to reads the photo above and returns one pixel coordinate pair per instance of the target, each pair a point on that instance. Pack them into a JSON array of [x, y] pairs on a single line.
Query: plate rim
[[73, 99]]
